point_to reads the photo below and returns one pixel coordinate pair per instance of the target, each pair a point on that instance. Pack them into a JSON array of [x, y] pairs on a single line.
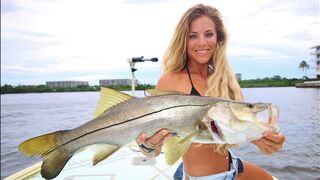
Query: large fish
[[120, 118]]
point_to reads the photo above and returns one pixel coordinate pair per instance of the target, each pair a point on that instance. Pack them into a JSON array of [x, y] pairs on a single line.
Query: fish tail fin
[[54, 162], [54, 156]]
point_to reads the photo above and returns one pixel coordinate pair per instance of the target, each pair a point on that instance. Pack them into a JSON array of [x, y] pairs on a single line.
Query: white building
[[110, 82], [66, 83], [317, 59], [238, 76]]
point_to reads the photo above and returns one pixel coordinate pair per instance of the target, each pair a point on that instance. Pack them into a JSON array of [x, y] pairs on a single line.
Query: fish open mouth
[[215, 129]]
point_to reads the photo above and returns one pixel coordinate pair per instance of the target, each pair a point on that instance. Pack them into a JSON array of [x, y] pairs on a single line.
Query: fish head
[[234, 122]]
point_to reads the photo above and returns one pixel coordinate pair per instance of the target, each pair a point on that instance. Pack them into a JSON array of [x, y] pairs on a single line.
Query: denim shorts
[[235, 168]]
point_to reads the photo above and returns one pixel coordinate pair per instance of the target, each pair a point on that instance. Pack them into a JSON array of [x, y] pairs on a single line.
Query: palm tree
[[304, 66]]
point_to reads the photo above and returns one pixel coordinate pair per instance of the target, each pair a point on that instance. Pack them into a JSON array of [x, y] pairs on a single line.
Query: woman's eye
[[209, 34], [192, 36]]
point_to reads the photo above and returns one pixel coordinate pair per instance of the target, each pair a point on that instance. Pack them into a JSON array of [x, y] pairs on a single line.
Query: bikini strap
[[193, 89], [189, 77]]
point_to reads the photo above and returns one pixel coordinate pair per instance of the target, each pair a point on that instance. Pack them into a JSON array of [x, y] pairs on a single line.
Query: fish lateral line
[[117, 124]]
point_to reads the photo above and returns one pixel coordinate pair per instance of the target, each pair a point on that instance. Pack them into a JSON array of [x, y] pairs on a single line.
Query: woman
[[195, 63]]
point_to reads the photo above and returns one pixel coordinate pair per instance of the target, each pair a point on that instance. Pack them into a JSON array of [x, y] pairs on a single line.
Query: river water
[[27, 115]]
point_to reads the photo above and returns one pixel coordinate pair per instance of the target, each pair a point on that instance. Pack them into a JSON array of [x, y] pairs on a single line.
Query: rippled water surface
[[27, 115]]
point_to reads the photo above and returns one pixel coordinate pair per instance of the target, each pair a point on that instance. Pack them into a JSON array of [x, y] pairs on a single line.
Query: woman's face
[[202, 40]]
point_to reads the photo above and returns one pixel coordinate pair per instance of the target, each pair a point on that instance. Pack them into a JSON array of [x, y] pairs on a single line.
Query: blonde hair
[[221, 80]]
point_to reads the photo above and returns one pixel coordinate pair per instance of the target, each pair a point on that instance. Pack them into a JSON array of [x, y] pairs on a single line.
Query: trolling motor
[[132, 62]]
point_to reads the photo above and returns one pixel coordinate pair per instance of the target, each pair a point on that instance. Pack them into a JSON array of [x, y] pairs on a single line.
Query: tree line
[[8, 89], [275, 81]]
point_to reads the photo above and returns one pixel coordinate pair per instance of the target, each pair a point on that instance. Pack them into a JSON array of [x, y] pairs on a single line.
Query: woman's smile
[[202, 51]]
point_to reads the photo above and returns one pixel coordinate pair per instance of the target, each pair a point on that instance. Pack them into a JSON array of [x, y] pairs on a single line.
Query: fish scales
[[122, 123]]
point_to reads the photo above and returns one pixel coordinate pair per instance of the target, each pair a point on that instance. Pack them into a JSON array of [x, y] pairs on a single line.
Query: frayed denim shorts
[[236, 167]]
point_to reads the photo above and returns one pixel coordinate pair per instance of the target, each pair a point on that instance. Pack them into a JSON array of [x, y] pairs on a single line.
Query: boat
[[127, 163]]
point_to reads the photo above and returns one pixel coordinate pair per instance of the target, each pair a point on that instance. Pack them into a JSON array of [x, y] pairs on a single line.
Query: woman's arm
[[155, 141]]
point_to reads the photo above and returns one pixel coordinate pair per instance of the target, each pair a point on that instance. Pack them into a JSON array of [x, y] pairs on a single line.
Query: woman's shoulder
[[171, 76], [167, 80], [175, 81]]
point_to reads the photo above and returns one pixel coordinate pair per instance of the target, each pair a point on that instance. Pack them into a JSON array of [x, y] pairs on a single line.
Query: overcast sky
[[88, 40]]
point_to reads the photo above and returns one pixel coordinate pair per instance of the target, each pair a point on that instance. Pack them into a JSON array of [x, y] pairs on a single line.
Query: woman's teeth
[[201, 51]]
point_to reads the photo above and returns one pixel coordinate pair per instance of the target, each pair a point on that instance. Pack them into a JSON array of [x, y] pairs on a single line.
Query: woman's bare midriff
[[204, 161]]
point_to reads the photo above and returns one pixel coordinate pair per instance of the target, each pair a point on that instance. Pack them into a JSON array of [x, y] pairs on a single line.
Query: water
[[27, 115], [300, 122]]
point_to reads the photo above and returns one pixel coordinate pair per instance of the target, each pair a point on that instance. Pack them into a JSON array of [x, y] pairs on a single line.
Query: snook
[[120, 118]]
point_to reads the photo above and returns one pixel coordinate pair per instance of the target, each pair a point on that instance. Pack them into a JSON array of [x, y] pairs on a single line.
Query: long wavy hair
[[221, 81]]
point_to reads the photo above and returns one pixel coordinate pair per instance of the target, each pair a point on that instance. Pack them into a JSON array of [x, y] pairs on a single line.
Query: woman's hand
[[151, 146], [270, 143]]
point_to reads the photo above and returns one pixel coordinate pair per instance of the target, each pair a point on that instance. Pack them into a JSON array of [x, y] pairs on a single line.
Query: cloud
[[144, 2], [81, 38], [274, 30], [88, 37], [8, 6], [22, 69]]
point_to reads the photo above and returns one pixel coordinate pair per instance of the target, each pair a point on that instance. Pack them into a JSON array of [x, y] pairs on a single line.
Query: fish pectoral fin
[[173, 150], [158, 92], [175, 147], [103, 151], [109, 98]]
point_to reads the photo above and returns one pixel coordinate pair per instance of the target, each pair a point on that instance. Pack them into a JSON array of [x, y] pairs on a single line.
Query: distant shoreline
[[275, 81], [8, 89]]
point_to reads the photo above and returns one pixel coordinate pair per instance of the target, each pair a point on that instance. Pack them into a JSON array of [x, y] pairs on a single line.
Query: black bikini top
[[193, 89]]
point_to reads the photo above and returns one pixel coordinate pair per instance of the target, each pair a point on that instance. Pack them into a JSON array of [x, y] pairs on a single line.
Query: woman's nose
[[202, 40]]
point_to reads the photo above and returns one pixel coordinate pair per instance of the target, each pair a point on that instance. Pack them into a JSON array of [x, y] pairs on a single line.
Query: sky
[[89, 40]]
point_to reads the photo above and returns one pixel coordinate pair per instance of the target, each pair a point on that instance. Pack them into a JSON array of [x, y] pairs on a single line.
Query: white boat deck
[[127, 163]]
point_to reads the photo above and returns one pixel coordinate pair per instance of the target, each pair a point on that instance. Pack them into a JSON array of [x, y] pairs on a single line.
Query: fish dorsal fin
[[103, 151], [109, 98], [158, 92], [175, 147]]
